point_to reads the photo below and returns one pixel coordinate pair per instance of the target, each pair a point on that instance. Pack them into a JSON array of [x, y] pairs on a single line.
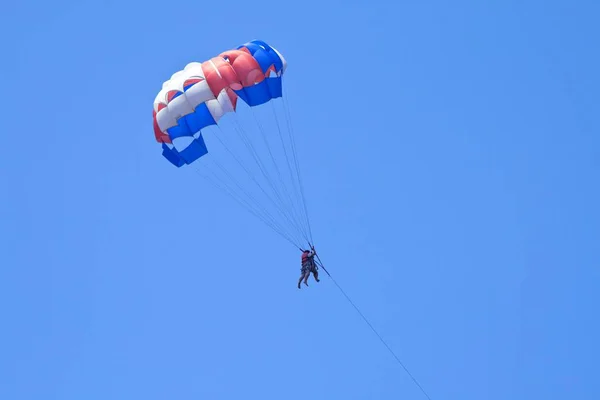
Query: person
[[308, 266]]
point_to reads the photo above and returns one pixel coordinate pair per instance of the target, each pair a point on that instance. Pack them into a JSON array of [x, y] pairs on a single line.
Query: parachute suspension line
[[297, 165], [320, 264], [291, 204], [223, 186], [245, 169], [263, 170], [251, 197], [296, 162], [296, 191], [252, 150], [280, 209], [227, 190], [297, 170]]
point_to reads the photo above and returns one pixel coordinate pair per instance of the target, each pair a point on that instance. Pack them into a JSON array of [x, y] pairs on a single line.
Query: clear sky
[[450, 153]]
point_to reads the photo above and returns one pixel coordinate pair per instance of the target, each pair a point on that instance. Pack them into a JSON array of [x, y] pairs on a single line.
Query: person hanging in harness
[[308, 266]]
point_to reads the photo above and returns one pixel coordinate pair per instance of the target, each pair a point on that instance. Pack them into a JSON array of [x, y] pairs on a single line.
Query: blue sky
[[450, 155]]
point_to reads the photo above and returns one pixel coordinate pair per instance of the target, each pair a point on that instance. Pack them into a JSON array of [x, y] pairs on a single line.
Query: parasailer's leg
[[316, 275], [304, 274]]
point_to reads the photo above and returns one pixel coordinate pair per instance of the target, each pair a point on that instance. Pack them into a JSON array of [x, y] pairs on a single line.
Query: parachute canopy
[[200, 94], [253, 162]]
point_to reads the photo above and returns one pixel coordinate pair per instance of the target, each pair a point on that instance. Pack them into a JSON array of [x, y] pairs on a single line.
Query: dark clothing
[[308, 267], [308, 263]]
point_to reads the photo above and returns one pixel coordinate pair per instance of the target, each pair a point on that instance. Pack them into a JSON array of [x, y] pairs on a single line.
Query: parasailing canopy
[[259, 168]]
